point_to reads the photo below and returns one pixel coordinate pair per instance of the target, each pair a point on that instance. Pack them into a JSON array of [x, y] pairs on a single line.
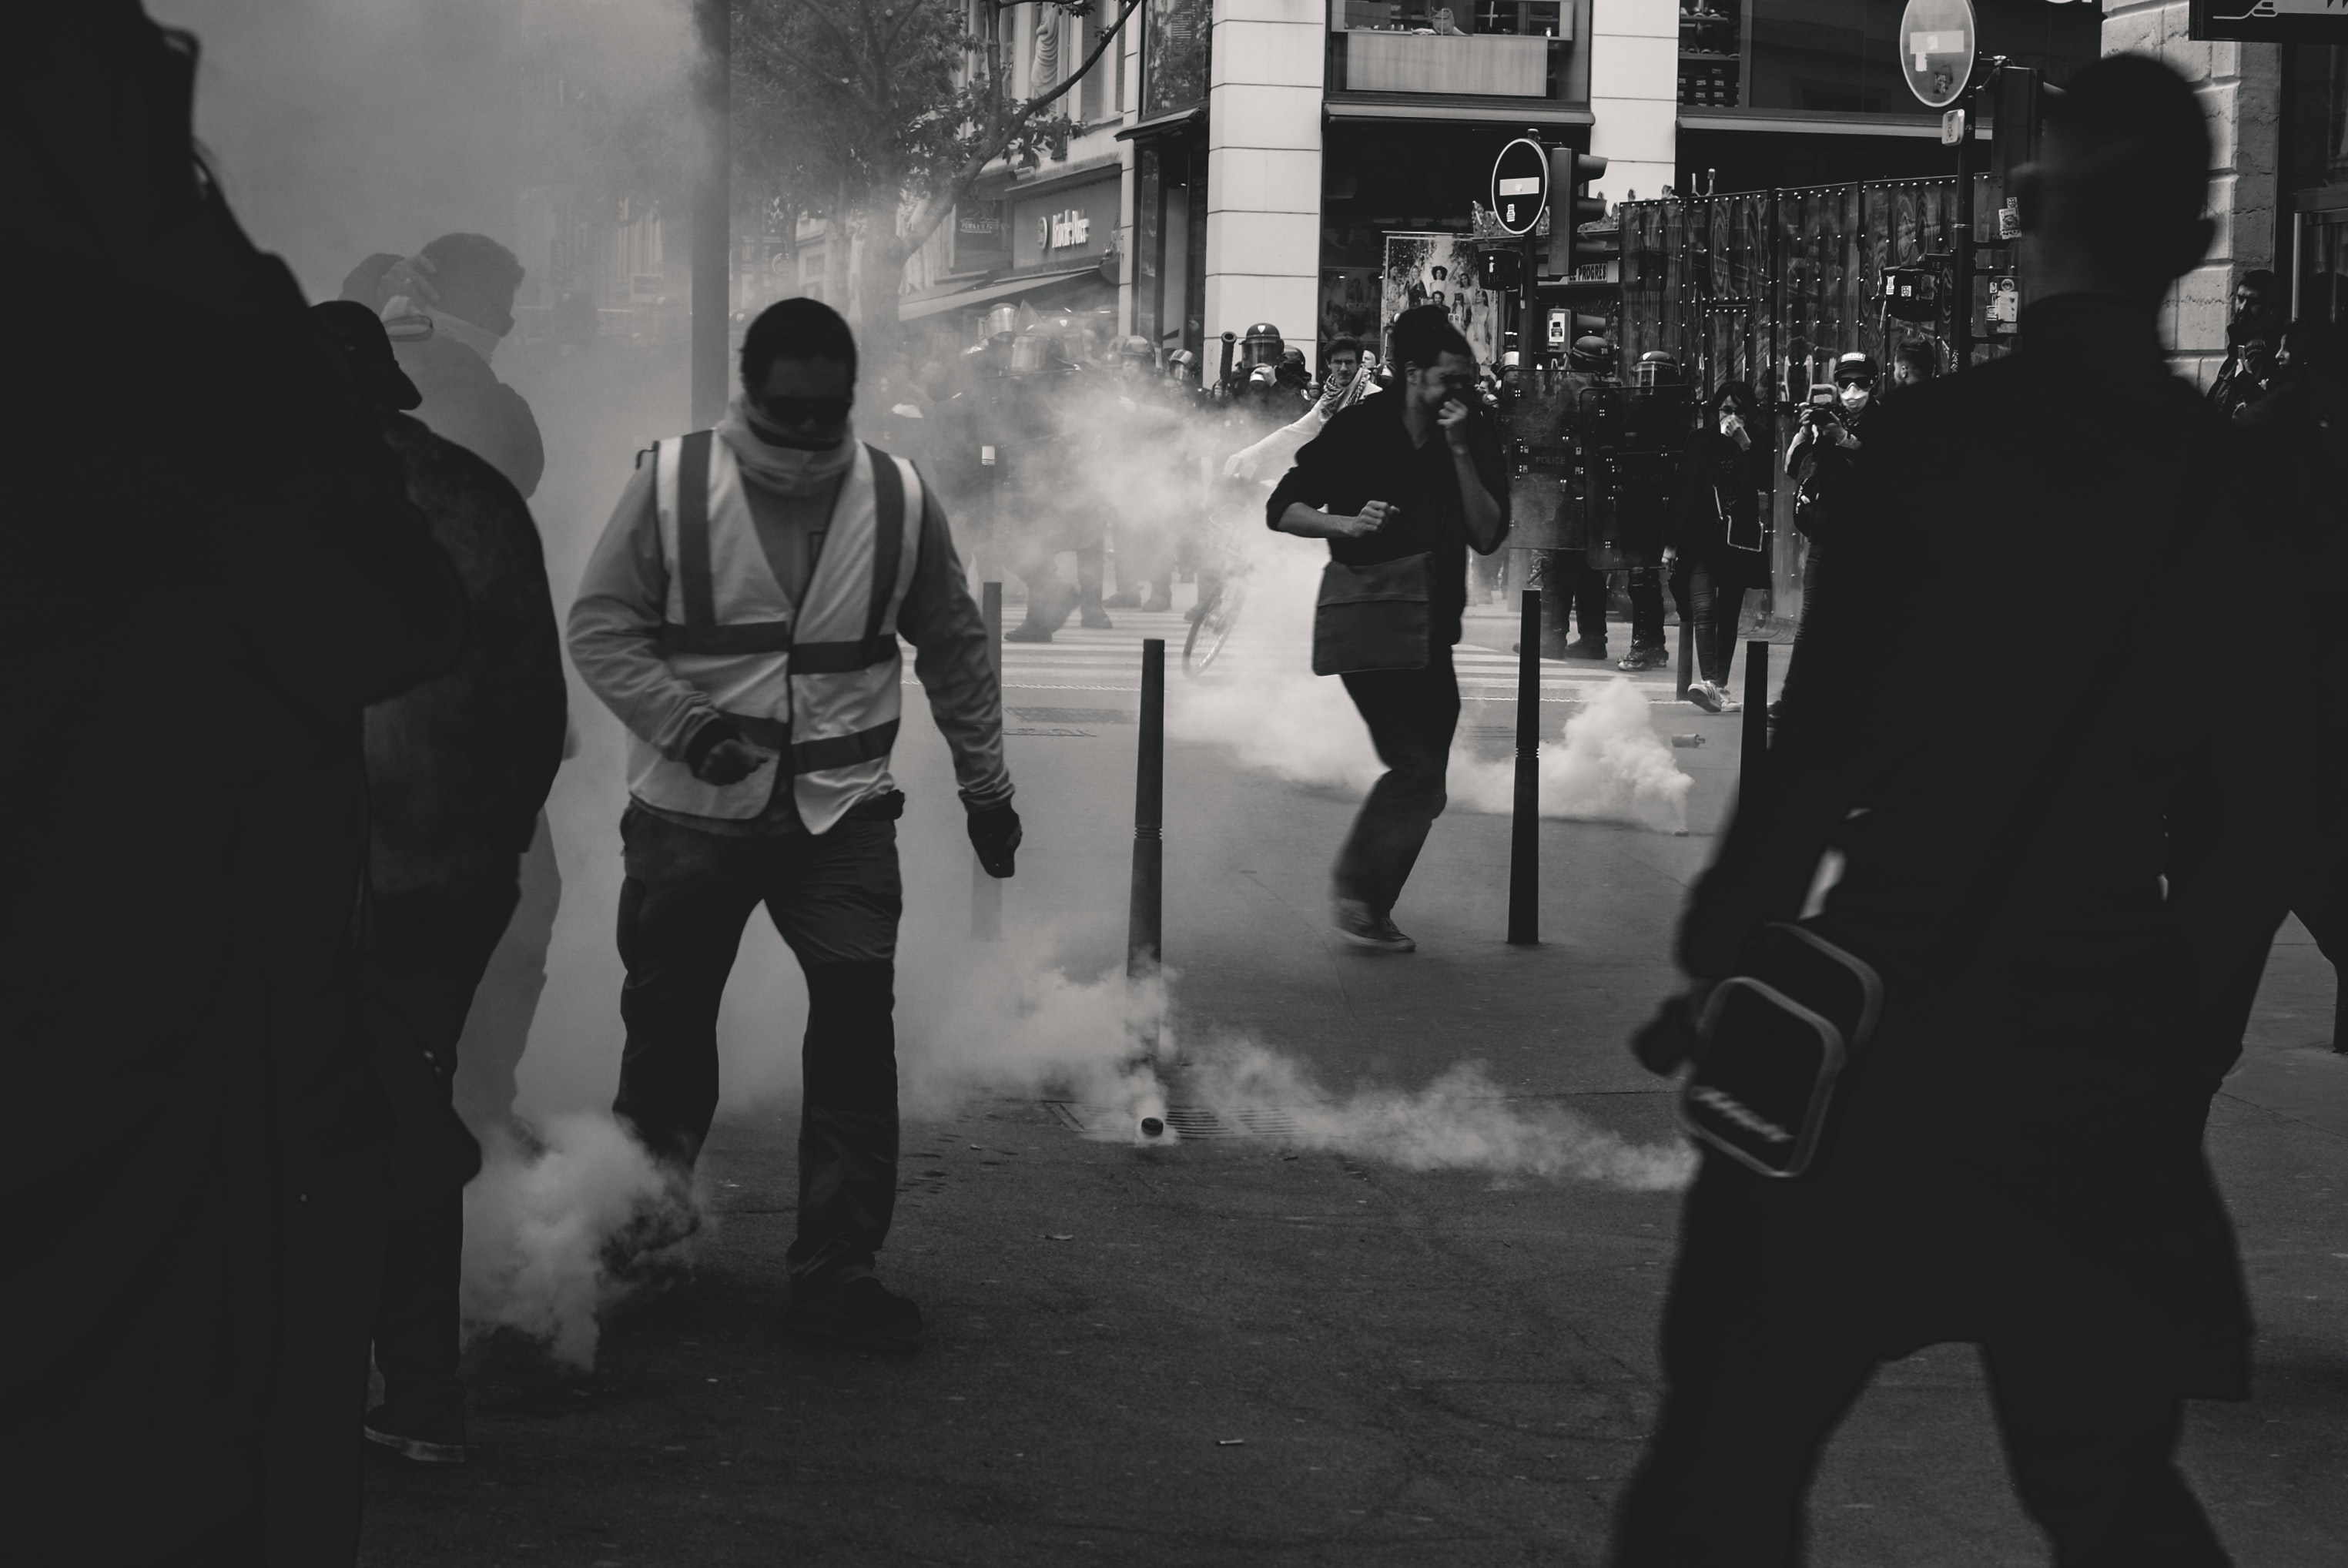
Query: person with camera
[[1401, 486], [1823, 461], [2011, 1156], [741, 617]]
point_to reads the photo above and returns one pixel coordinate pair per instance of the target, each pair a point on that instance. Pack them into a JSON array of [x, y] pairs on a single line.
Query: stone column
[[1263, 170], [1634, 95], [2241, 86]]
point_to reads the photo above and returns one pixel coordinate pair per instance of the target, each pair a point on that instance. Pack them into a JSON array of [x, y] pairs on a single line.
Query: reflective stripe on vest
[[834, 697]]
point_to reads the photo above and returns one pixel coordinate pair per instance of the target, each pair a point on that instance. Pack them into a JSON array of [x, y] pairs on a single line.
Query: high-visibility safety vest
[[817, 682]]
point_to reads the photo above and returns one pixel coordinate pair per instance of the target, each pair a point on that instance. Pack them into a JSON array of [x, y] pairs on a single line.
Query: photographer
[[1823, 460]]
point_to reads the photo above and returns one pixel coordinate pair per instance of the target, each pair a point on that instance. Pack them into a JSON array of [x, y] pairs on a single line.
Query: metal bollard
[[985, 891], [1757, 715], [1524, 831], [1142, 937]]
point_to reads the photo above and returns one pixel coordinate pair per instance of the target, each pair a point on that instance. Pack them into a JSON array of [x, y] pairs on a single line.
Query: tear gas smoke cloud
[[1610, 765], [536, 1225]]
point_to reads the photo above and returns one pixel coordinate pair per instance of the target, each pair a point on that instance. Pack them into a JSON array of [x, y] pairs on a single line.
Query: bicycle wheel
[[1214, 628]]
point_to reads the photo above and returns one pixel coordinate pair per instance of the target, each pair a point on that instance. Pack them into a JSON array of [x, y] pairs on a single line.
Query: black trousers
[[1646, 588], [1765, 1348], [505, 1003], [1571, 591], [835, 898], [1412, 715], [425, 960], [1711, 596]]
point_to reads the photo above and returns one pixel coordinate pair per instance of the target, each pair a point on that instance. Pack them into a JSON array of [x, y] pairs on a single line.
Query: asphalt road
[[1233, 1352]]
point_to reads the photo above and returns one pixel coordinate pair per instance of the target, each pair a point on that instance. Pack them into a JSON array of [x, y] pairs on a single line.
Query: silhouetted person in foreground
[[204, 593], [741, 617], [458, 770], [2015, 1160]]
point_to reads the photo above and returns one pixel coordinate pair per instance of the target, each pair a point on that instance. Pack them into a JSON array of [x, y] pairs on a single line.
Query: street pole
[[1961, 338], [713, 258], [1144, 946], [1756, 748], [1524, 823], [985, 891]]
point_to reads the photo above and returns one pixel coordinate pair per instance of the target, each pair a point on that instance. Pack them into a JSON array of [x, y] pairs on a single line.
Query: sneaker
[[419, 1436], [1027, 631], [1159, 603], [1121, 600], [861, 1311], [1583, 648], [1370, 928], [1728, 701], [1654, 657], [1704, 694], [1096, 621]]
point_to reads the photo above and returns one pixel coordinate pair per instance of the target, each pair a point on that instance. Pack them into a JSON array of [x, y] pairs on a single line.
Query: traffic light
[[1570, 205]]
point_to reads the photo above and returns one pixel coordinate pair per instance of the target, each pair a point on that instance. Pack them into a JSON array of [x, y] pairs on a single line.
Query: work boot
[[861, 1311], [1097, 620], [1372, 930], [1583, 648], [1162, 600], [1654, 656], [1028, 632], [1122, 599], [429, 1431]]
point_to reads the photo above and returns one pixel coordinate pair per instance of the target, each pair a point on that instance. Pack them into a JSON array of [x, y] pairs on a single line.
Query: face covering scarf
[[773, 465], [456, 328]]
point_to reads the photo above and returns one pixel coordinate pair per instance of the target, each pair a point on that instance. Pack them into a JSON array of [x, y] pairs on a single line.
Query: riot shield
[[1626, 446]]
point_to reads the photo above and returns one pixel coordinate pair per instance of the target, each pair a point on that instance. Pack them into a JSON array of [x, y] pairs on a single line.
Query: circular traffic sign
[[1937, 42], [1520, 185]]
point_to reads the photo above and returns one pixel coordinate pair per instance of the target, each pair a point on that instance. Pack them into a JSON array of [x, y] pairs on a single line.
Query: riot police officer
[[1571, 588]]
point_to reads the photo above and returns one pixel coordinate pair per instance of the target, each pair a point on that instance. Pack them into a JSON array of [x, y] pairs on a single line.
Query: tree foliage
[[880, 115]]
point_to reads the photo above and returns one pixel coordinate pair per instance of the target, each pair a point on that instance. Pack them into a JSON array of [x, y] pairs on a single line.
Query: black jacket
[[458, 767], [1719, 483], [1364, 453], [2017, 1155], [464, 402]]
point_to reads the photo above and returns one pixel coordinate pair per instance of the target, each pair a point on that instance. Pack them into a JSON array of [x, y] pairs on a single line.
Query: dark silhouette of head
[[798, 372], [477, 279], [2116, 202]]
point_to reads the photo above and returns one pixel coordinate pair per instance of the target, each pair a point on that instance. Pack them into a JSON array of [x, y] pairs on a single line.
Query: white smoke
[[1264, 705], [1459, 1122], [538, 1224]]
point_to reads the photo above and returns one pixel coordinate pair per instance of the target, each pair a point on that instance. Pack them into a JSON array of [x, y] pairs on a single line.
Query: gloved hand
[[1668, 1040], [994, 834], [719, 756]]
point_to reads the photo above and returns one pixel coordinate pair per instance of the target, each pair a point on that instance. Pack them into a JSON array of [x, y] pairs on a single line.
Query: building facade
[[1315, 163]]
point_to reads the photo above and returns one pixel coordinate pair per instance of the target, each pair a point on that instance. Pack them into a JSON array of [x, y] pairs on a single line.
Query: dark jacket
[[201, 605], [1364, 453], [457, 768], [1719, 484], [465, 401], [2017, 1156], [1825, 476]]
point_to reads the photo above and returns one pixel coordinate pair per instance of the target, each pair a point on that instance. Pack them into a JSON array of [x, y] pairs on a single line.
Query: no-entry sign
[[1937, 42], [1520, 185]]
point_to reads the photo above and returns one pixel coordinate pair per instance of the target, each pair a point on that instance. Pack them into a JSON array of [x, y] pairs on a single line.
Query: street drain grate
[[1071, 715], [1186, 1120]]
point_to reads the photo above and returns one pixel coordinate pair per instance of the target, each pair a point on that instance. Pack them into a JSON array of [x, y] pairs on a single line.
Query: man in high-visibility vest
[[741, 617]]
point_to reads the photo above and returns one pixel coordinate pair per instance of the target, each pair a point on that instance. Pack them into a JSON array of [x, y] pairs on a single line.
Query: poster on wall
[[1444, 270]]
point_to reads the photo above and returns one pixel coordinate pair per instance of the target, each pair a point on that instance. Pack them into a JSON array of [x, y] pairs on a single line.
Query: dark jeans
[[424, 962], [1412, 715], [505, 1003], [1765, 1350], [1711, 596], [1571, 590], [835, 898], [1646, 587], [1814, 572]]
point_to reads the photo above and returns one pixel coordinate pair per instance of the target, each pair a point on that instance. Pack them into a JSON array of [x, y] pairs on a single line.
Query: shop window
[[1519, 18], [1841, 57]]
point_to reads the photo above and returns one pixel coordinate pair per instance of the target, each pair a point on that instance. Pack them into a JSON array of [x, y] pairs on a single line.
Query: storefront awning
[[912, 308], [1173, 124], [1502, 111], [1820, 124]]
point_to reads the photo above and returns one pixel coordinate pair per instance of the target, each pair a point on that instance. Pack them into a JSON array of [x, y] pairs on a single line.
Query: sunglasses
[[804, 410]]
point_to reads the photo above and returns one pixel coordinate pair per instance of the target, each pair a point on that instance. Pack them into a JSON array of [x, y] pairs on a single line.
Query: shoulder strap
[[889, 537], [692, 573]]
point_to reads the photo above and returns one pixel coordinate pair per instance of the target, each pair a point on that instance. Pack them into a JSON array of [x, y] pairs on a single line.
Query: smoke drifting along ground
[[1274, 714]]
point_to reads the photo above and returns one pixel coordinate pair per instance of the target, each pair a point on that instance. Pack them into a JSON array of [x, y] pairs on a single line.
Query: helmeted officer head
[[1591, 354]]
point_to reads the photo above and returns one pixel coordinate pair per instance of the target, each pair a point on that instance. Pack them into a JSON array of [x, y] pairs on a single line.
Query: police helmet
[[1136, 350], [1183, 366], [1002, 321], [1262, 345], [1591, 354], [1039, 354], [1855, 367], [1656, 367]]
